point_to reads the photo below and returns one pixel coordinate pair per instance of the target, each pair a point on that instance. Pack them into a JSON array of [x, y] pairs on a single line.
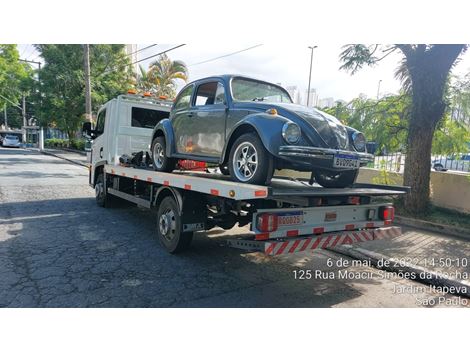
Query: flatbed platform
[[220, 185]]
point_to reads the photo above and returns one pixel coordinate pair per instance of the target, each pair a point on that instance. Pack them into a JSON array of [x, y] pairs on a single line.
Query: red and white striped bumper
[[311, 243]]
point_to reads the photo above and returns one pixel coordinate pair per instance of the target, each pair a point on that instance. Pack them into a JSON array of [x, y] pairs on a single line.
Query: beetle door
[[208, 115]]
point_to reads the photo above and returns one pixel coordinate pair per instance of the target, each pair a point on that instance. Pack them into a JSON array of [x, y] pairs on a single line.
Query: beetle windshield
[[251, 90]]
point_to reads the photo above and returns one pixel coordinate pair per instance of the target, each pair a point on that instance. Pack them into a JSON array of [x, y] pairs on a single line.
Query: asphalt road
[[58, 249]]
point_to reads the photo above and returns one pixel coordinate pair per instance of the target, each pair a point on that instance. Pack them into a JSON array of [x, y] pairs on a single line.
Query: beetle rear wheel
[[161, 162]]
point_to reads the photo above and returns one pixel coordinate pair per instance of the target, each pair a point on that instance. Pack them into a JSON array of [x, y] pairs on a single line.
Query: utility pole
[[23, 112], [378, 89], [310, 74], [86, 65], [5, 114]]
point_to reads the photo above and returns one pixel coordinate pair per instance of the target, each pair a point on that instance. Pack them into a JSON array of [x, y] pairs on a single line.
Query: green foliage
[[15, 80], [450, 138], [383, 121], [161, 77], [56, 143], [78, 144], [385, 177], [459, 99], [63, 87]]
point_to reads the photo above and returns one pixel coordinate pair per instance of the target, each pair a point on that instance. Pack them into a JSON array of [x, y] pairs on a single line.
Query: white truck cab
[[124, 125]]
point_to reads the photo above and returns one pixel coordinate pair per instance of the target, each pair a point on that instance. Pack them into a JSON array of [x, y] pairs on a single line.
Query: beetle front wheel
[[249, 161]]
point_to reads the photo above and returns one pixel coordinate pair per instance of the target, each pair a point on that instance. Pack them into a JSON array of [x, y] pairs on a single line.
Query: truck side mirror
[[86, 130]]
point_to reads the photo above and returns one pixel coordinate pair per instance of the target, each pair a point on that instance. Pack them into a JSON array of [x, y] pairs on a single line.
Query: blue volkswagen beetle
[[250, 128]]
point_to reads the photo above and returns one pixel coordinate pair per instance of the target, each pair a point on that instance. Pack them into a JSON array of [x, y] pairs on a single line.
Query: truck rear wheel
[[169, 227]]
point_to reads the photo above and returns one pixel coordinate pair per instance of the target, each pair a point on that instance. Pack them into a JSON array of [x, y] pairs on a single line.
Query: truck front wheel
[[100, 191], [169, 227]]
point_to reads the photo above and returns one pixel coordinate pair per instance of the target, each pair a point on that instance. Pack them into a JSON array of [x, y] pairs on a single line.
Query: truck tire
[[161, 162], [100, 192], [249, 161], [336, 180], [169, 227]]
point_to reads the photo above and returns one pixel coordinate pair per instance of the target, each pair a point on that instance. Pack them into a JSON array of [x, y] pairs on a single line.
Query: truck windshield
[[251, 90]]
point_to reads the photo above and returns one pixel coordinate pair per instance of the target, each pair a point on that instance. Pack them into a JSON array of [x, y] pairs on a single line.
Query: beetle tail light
[[267, 222]]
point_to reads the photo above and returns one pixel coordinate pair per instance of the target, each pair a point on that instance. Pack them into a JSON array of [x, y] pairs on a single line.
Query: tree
[[459, 92], [383, 122], [450, 138], [143, 83], [424, 72], [63, 87], [163, 73], [15, 80]]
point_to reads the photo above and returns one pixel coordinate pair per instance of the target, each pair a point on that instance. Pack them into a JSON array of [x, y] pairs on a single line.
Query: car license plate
[[345, 161], [290, 219]]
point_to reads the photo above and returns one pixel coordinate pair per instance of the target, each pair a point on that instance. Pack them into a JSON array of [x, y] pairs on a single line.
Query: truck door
[[99, 146]]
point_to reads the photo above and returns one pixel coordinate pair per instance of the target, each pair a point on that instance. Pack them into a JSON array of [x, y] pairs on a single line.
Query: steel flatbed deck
[[220, 185]]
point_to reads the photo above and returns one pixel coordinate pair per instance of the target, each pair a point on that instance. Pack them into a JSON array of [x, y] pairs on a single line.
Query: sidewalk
[[419, 250], [78, 158]]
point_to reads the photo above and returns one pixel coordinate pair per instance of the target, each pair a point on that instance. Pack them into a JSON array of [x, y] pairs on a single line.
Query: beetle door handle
[[190, 114]]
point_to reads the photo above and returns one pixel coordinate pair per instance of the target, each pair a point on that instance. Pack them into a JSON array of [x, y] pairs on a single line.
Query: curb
[[61, 157], [421, 274], [435, 227]]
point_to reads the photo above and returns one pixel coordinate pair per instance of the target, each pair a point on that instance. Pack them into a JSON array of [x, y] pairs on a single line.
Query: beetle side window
[[184, 98], [220, 94], [210, 93], [100, 121]]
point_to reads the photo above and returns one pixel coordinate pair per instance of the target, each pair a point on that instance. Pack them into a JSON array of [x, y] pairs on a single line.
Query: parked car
[[458, 163], [250, 128], [11, 141]]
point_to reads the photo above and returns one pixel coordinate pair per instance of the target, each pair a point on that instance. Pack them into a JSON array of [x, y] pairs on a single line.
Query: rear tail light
[[387, 213], [267, 222], [192, 165], [354, 200]]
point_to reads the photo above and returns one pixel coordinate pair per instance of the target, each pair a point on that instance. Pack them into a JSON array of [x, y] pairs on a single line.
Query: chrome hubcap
[[158, 156], [245, 161], [167, 224]]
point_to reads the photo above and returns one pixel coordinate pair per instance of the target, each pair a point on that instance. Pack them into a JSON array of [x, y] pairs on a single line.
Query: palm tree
[[143, 82], [164, 72]]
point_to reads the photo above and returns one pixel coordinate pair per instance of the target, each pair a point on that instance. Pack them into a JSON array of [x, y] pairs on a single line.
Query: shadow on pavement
[[71, 253]]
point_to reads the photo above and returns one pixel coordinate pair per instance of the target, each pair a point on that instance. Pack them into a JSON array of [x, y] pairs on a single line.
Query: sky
[[285, 63]]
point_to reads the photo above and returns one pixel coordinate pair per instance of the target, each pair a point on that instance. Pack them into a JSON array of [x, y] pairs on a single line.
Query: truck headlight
[[359, 141], [291, 132]]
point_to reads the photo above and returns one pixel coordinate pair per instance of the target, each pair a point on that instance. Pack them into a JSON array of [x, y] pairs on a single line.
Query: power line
[[160, 53], [24, 49], [221, 57], [31, 53], [118, 65], [147, 47]]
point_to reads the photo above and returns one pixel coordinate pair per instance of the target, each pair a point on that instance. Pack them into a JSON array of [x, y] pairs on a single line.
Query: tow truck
[[288, 216]]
